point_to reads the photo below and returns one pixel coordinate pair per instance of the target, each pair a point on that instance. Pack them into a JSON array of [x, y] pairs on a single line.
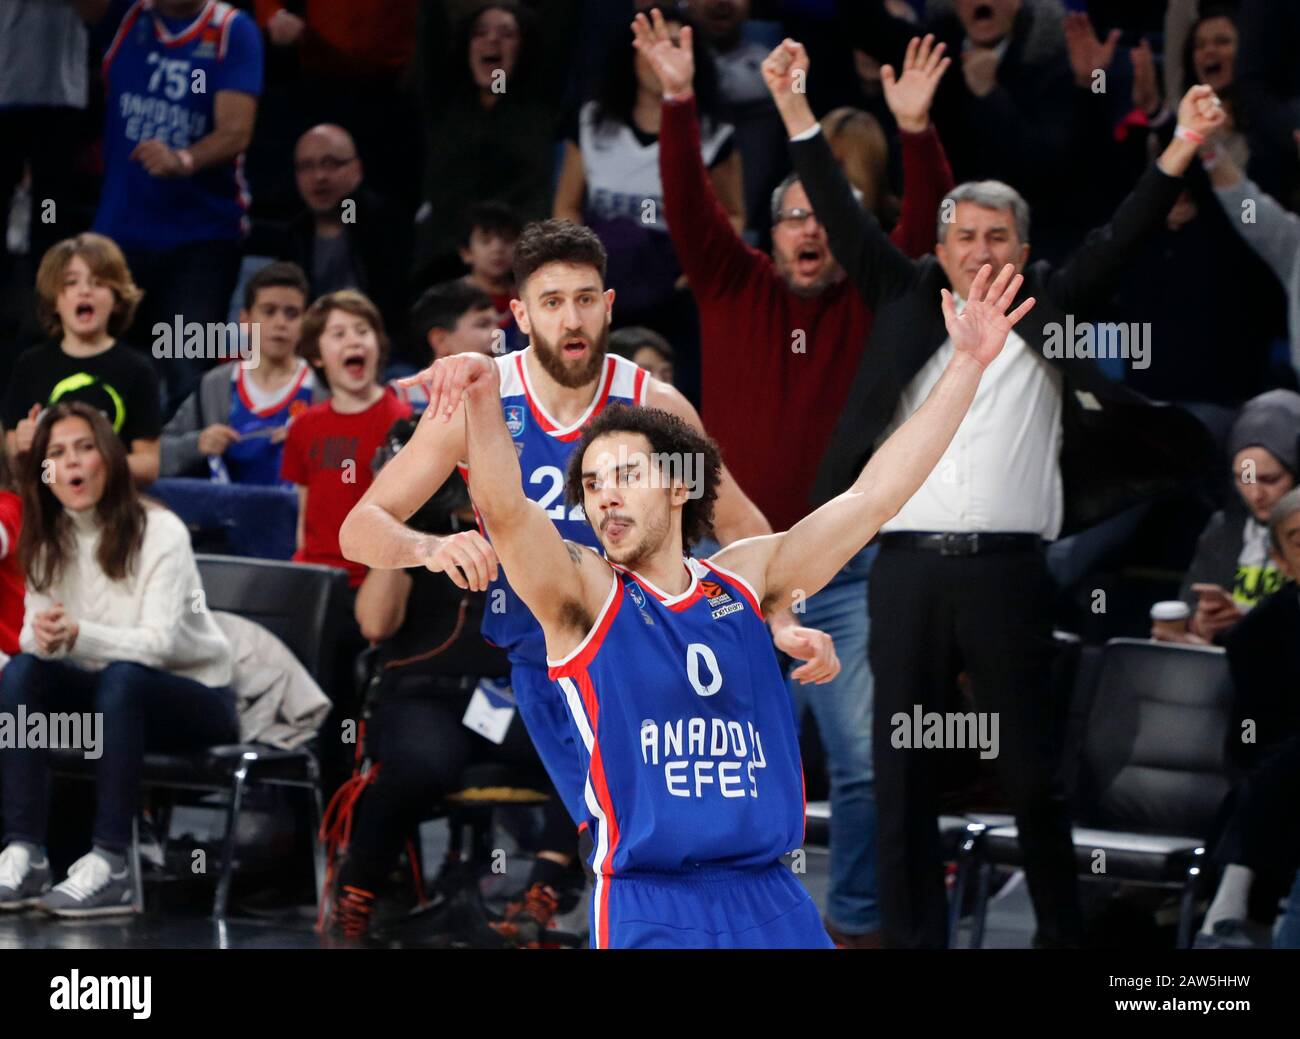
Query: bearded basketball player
[[691, 778]]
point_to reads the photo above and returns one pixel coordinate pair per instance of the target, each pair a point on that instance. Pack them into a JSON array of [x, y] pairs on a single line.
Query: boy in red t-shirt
[[330, 446]]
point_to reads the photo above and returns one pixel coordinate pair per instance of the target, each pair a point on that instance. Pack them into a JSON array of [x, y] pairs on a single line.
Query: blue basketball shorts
[[707, 908], [546, 717]]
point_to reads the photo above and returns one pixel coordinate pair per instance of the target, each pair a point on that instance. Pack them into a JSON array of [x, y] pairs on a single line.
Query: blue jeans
[[143, 709], [1288, 935], [842, 710]]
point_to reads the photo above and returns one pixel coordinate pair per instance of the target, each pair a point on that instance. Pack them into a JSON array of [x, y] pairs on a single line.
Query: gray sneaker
[[22, 881], [1235, 934], [92, 889]]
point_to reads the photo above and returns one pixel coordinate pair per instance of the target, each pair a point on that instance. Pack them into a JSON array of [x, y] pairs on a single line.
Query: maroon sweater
[[770, 396]]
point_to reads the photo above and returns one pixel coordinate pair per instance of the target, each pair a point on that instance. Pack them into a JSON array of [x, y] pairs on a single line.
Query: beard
[[826, 280], [654, 531], [572, 375]]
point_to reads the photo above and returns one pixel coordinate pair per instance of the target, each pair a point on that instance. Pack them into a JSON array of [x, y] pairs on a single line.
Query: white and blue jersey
[[544, 447], [686, 737], [256, 458], [162, 76]]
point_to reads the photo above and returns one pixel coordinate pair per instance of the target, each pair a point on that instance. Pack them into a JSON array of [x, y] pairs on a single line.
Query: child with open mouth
[[330, 446], [85, 299]]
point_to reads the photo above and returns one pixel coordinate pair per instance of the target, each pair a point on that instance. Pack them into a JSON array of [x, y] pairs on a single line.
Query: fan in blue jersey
[[548, 393], [182, 78], [692, 780]]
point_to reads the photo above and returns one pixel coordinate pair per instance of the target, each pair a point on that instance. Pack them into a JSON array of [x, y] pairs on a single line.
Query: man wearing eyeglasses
[[348, 236]]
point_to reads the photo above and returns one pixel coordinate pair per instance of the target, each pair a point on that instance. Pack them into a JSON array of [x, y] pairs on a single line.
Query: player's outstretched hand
[[815, 648], [981, 328], [467, 558], [449, 379], [910, 94], [674, 63]]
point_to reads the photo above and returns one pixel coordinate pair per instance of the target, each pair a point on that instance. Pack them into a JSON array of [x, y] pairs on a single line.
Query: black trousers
[[1261, 831], [933, 616], [422, 748], [193, 281]]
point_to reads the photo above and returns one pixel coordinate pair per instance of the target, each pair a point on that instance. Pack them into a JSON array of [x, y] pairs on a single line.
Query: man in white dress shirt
[[1050, 445]]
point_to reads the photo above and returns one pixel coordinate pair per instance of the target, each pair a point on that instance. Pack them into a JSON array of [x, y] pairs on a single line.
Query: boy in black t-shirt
[[85, 300]]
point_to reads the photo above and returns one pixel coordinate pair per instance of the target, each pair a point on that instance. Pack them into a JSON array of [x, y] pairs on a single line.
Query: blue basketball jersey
[[544, 448], [256, 458], [162, 76], [685, 730]]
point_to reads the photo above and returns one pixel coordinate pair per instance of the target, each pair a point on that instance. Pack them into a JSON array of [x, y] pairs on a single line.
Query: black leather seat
[[302, 605], [1151, 771]]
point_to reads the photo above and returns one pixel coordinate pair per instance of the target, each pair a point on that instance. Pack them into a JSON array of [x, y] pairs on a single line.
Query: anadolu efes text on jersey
[[685, 729], [544, 448]]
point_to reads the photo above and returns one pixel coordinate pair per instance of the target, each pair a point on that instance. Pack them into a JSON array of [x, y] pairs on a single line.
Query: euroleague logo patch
[[719, 599], [638, 597], [514, 419]]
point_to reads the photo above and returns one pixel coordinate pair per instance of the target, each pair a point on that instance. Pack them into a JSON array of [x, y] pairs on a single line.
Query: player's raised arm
[[809, 554], [562, 584], [375, 531]]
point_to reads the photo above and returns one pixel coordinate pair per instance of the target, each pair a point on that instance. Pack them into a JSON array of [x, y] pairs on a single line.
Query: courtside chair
[[1152, 773], [302, 605]]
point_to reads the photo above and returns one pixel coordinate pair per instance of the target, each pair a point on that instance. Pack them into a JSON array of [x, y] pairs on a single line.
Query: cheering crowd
[[240, 233]]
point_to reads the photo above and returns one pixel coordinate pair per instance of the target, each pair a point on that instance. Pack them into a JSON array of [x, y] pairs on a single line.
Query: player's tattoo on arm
[[575, 615]]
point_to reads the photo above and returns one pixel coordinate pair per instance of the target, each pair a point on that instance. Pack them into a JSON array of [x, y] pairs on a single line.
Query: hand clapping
[[54, 630]]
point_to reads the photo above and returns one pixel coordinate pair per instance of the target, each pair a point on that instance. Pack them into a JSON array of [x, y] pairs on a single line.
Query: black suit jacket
[[1264, 659], [1118, 447], [379, 243]]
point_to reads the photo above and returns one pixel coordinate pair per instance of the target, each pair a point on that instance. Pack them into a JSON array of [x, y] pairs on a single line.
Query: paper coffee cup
[[1171, 610]]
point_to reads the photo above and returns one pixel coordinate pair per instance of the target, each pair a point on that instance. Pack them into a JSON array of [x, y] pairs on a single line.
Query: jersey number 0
[[696, 652]]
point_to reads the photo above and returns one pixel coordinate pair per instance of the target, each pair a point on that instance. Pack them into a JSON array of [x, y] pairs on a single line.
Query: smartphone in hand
[[1214, 597]]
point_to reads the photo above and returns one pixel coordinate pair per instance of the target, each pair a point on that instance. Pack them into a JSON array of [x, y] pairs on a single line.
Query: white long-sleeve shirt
[[156, 616], [1002, 471]]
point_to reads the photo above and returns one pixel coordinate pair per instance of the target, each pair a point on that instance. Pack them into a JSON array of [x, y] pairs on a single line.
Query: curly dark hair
[[556, 241], [671, 439]]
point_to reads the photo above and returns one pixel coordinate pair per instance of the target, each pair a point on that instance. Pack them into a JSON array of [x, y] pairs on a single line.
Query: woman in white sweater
[[115, 629]]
